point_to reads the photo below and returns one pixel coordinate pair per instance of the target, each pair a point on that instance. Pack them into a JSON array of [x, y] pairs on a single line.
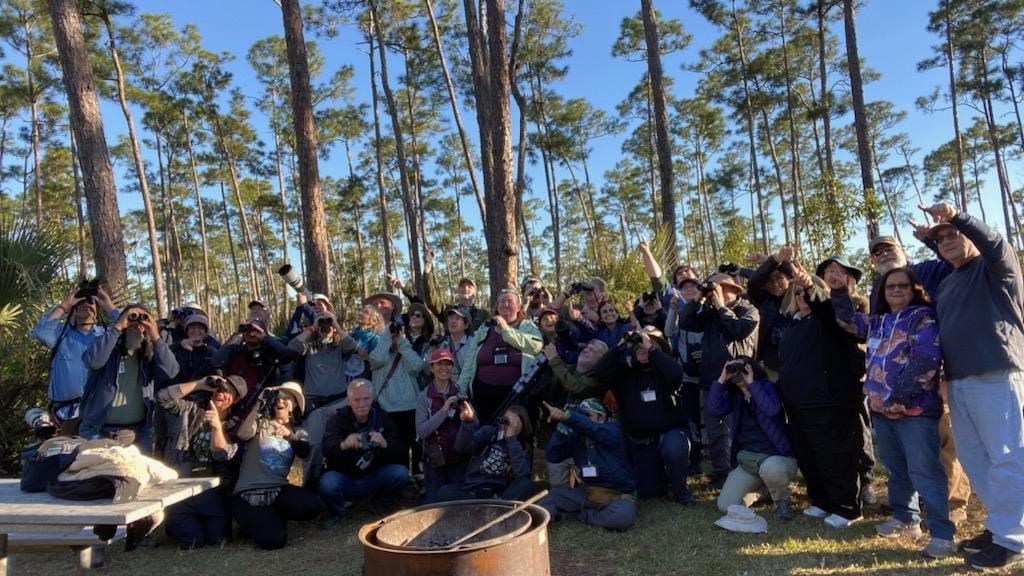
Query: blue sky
[[892, 39]]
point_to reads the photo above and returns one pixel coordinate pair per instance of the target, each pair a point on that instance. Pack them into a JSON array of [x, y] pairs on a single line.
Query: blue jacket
[[68, 373], [103, 360], [602, 446], [477, 442], [767, 411]]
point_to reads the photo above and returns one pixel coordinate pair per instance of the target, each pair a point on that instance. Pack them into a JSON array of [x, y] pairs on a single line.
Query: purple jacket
[[767, 410], [904, 361]]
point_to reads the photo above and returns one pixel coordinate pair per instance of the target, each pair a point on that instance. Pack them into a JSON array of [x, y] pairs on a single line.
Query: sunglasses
[[897, 286]]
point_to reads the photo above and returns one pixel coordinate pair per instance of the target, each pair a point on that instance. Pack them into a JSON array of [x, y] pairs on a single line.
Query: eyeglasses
[[897, 286], [885, 249]]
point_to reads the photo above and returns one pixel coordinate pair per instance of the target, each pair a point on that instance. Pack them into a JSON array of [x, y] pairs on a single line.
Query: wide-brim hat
[[237, 385], [428, 318], [850, 269], [323, 298], [727, 281], [657, 336], [295, 390], [739, 518], [396, 302]]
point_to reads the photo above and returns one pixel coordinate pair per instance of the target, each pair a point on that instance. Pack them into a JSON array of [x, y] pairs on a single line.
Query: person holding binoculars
[[68, 330], [326, 349], [760, 445], [125, 362]]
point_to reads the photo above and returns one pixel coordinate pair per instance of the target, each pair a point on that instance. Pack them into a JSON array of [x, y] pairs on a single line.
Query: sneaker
[[815, 512], [893, 528], [837, 521], [784, 511], [937, 548], [976, 544], [993, 557]]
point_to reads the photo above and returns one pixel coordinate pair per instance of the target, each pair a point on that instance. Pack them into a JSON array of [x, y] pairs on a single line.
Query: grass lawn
[[667, 540]]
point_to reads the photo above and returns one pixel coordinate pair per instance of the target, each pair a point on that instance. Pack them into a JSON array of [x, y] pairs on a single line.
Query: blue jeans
[[384, 482], [669, 452], [140, 435], [988, 428], [909, 449]]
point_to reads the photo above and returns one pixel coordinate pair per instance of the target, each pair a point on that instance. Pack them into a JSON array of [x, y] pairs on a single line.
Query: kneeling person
[[365, 455], [605, 495], [499, 465]]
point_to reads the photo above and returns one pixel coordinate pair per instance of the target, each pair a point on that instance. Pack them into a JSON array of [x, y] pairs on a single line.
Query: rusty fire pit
[[414, 542]]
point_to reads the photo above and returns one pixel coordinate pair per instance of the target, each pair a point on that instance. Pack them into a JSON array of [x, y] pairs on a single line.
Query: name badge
[[120, 366], [874, 342], [649, 395], [589, 472]]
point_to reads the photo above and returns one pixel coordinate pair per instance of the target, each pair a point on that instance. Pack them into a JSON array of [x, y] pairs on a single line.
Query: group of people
[[762, 373]]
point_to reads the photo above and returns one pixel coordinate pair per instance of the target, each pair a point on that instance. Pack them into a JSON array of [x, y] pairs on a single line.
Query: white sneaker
[[893, 528], [837, 521], [815, 512], [937, 548]]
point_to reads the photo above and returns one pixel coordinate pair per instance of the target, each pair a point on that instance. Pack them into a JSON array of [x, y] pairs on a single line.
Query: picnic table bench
[[40, 522]]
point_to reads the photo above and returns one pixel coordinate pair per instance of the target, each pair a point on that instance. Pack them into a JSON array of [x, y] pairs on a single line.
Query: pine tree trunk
[[140, 168], [389, 259], [79, 212], [231, 245], [664, 139], [751, 139], [314, 227], [826, 98], [98, 176], [467, 151], [199, 209], [860, 119], [794, 141], [958, 138]]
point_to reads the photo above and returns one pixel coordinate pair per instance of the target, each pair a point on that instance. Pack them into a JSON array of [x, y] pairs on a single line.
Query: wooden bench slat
[[83, 537]]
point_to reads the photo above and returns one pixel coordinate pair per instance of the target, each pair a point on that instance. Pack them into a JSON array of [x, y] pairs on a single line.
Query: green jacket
[[526, 339]]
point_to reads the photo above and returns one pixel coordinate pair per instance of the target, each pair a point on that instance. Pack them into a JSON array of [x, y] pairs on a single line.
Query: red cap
[[442, 354]]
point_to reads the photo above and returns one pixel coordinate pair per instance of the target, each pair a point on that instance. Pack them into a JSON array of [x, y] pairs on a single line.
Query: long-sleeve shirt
[[728, 332], [600, 447], [904, 360], [325, 365], [68, 372], [482, 470], [526, 338], [343, 423], [397, 392], [980, 306], [763, 409], [644, 392]]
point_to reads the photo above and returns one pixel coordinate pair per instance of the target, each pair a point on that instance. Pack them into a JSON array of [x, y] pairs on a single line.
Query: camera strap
[[391, 372]]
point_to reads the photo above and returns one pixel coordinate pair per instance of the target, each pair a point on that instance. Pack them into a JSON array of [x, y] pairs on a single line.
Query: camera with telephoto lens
[[324, 324], [291, 277], [707, 287], [87, 289], [581, 286]]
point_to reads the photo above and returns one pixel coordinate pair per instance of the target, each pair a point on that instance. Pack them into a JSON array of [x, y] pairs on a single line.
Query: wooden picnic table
[[19, 508]]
